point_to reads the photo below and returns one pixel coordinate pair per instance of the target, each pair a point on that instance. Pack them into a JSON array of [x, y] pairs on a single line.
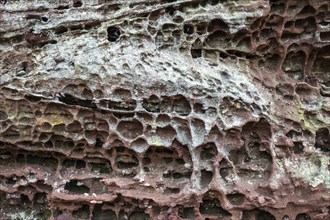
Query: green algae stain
[[310, 122], [314, 170]]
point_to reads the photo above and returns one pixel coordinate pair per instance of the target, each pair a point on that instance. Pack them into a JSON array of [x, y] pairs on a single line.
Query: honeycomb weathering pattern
[[184, 109]]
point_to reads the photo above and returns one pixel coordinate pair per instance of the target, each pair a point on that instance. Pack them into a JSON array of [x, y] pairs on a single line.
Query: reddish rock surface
[[180, 109]]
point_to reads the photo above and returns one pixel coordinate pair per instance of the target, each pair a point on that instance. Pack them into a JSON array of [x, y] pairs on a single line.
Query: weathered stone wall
[[156, 109]]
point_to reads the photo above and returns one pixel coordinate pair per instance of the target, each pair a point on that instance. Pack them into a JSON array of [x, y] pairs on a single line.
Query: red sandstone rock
[[211, 109]]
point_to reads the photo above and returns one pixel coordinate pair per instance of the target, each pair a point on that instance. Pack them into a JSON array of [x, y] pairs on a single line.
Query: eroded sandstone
[[165, 109]]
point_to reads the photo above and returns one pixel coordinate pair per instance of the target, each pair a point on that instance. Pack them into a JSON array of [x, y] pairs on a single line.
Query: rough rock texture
[[187, 109]]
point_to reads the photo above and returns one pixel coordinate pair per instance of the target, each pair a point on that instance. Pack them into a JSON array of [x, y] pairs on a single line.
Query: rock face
[[184, 109]]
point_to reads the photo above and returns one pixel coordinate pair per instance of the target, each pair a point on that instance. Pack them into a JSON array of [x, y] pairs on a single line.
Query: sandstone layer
[[153, 109]]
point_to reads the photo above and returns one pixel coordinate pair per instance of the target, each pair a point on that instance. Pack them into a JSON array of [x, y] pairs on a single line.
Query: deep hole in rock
[[171, 190], [320, 66], [212, 206], [152, 104], [206, 178], [74, 127], [307, 24], [61, 30], [303, 216], [76, 187], [181, 105], [195, 53], [127, 160], [104, 168], [138, 215], [217, 24], [278, 7], [187, 212], [10, 181], [77, 3], [40, 198], [170, 10], [121, 94], [257, 214], [322, 139], [82, 213], [113, 34], [80, 164], [167, 163], [201, 28], [68, 163], [325, 36], [3, 116], [63, 7], [188, 29], [99, 143], [226, 170], [25, 200], [103, 214], [264, 215], [130, 129], [123, 115], [272, 63], [208, 151], [308, 10], [20, 158], [11, 134], [218, 39], [50, 162], [44, 19], [298, 148], [71, 100], [236, 198], [128, 105], [246, 157]]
